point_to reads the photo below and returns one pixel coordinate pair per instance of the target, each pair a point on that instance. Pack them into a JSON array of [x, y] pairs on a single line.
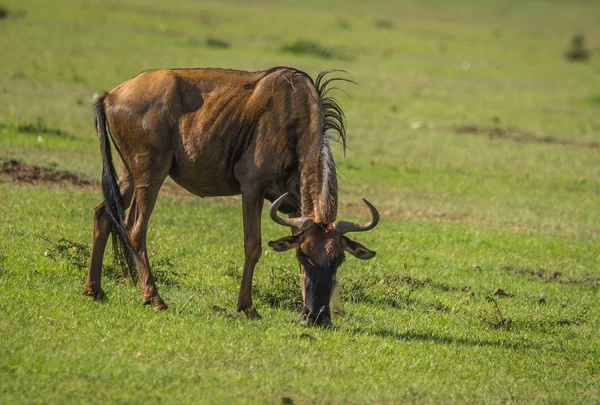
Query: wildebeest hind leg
[[93, 286], [142, 204]]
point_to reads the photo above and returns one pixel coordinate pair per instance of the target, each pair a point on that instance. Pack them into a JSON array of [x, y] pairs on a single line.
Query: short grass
[[464, 212]]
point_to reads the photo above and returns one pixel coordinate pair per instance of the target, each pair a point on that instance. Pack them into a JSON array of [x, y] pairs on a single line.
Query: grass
[[217, 43], [469, 130], [308, 47]]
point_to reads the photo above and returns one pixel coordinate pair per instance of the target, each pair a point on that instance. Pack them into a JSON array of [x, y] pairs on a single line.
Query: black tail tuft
[[113, 201]]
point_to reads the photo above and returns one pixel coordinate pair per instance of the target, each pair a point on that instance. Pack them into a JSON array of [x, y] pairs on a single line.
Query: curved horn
[[345, 226], [302, 223]]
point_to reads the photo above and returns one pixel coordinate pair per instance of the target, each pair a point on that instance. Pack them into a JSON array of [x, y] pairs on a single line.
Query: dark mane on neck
[[333, 129], [334, 121]]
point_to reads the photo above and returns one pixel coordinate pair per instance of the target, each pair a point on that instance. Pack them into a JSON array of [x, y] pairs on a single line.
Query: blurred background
[[474, 128], [460, 99]]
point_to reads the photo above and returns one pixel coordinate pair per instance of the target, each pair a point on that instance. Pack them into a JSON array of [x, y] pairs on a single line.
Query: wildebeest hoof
[[323, 322], [157, 303], [252, 313], [97, 295]]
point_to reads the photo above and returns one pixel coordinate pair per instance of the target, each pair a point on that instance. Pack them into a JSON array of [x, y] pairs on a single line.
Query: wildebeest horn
[[302, 223], [345, 226]]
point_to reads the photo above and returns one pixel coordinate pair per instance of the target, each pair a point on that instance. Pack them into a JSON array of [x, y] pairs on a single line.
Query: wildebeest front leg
[[252, 204]]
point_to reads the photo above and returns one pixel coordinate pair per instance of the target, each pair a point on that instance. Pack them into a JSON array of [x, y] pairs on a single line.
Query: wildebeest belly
[[203, 162], [204, 175], [209, 143]]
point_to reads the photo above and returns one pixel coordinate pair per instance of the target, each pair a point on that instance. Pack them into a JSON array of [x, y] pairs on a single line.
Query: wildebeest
[[220, 132]]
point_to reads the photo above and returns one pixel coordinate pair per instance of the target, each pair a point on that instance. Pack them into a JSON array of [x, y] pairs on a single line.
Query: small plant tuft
[[40, 127], [578, 52], [345, 25], [76, 254], [494, 317], [594, 100], [384, 24], [309, 47], [213, 42]]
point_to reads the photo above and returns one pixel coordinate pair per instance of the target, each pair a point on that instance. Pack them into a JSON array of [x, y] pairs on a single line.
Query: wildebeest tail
[[113, 201]]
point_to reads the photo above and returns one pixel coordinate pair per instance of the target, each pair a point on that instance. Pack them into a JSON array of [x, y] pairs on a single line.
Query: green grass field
[[469, 130]]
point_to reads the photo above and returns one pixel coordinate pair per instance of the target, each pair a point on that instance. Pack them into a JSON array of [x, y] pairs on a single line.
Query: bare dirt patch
[[15, 171], [18, 172], [554, 276], [518, 135]]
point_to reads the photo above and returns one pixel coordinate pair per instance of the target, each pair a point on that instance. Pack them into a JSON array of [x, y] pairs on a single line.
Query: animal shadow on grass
[[161, 265], [430, 336], [495, 318], [395, 292]]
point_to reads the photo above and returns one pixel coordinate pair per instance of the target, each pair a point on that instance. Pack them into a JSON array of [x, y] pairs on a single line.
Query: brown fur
[[216, 133]]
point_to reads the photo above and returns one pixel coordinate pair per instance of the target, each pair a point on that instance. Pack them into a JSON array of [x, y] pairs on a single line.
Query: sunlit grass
[[485, 284]]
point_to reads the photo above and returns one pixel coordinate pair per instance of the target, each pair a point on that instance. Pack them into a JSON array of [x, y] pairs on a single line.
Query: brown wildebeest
[[223, 132]]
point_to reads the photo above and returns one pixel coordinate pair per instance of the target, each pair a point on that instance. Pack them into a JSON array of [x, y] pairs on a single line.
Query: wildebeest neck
[[318, 180]]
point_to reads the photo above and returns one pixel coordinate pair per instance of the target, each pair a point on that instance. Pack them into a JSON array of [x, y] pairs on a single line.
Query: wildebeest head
[[320, 249]]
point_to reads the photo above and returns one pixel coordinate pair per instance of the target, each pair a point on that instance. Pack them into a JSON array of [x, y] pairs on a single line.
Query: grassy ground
[[469, 130]]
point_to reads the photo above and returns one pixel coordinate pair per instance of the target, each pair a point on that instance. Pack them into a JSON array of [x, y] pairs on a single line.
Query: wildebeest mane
[[334, 118], [334, 121]]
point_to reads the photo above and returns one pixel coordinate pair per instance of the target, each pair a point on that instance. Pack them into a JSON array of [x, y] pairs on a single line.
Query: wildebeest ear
[[356, 249], [287, 242]]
